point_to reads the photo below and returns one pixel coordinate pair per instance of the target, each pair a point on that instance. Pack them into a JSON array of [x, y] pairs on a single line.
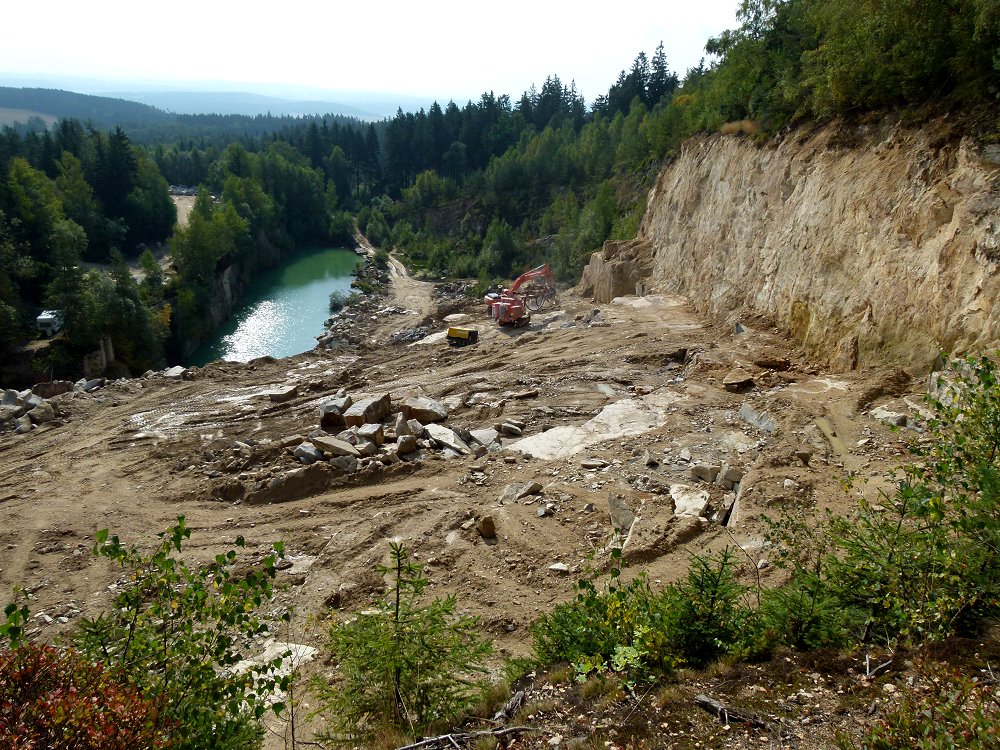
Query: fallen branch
[[454, 739], [725, 714]]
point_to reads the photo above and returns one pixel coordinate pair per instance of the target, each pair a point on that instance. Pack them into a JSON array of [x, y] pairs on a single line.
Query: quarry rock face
[[867, 243]]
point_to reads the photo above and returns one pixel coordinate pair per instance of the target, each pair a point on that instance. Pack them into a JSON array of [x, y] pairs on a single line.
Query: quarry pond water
[[283, 309]]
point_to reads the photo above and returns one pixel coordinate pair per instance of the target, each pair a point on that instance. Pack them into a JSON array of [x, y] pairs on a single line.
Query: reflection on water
[[284, 309]]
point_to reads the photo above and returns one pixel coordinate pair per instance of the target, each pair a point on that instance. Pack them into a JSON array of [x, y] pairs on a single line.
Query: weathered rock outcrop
[[615, 271], [867, 243]]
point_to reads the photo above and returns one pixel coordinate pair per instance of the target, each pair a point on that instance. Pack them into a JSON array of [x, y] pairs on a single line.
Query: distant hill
[[100, 110], [38, 108], [242, 103]]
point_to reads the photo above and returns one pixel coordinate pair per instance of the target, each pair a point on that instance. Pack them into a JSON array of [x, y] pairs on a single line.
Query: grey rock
[[804, 456], [308, 453], [761, 420], [368, 411], [705, 472], [406, 444], [416, 428], [485, 437], [52, 388], [42, 413], [92, 385], [402, 425], [689, 501], [23, 425], [684, 455], [514, 492], [648, 459], [171, 372], [593, 463], [336, 447], [331, 413], [487, 527], [291, 441], [29, 400], [446, 438], [284, 393], [9, 397], [10, 413], [511, 430], [561, 568], [732, 474], [622, 516], [424, 409], [737, 379], [372, 432], [347, 464], [885, 416], [589, 508], [366, 447]]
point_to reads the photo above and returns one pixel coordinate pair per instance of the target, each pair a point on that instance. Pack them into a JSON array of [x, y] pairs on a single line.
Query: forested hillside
[[483, 189]]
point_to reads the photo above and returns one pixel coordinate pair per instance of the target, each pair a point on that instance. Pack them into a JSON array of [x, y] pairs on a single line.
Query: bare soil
[[137, 453]]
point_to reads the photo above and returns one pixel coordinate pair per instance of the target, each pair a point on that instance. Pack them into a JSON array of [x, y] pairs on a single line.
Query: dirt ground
[[634, 388]]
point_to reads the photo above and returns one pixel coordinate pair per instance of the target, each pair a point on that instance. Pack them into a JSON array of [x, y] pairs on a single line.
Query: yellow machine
[[462, 336]]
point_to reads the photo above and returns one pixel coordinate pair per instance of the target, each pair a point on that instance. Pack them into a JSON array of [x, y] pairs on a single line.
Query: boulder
[[761, 420], [888, 417], [42, 413], [331, 413], [416, 428], [446, 438], [93, 384], [406, 444], [511, 430], [23, 425], [705, 472], [402, 425], [560, 568], [593, 463], [346, 464], [485, 437], [424, 409], [171, 372], [368, 411], [291, 441], [514, 492], [9, 397], [487, 527], [737, 380], [284, 393], [372, 432], [308, 453], [622, 516], [10, 413], [52, 388], [336, 447], [366, 447], [689, 501]]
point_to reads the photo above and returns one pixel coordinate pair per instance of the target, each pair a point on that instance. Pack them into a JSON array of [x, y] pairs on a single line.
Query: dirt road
[[624, 400]]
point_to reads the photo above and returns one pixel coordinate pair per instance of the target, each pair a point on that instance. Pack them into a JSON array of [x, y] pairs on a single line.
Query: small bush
[[178, 632], [942, 712], [55, 699], [341, 299], [403, 665]]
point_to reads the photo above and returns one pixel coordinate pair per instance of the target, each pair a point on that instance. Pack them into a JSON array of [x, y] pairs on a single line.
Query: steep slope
[[866, 243]]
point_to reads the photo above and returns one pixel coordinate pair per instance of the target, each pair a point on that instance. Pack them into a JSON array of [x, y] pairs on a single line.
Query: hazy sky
[[436, 48]]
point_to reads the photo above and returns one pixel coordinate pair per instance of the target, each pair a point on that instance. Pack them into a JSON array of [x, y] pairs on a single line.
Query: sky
[[439, 49]]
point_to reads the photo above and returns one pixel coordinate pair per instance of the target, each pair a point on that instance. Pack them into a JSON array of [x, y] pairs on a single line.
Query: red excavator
[[528, 294]]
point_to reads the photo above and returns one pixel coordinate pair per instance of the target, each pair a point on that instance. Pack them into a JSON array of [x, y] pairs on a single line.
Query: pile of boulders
[[22, 411], [374, 432]]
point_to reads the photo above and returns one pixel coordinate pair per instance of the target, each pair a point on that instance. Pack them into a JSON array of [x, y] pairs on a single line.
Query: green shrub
[[177, 633], [943, 711], [54, 699], [402, 665], [923, 564]]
